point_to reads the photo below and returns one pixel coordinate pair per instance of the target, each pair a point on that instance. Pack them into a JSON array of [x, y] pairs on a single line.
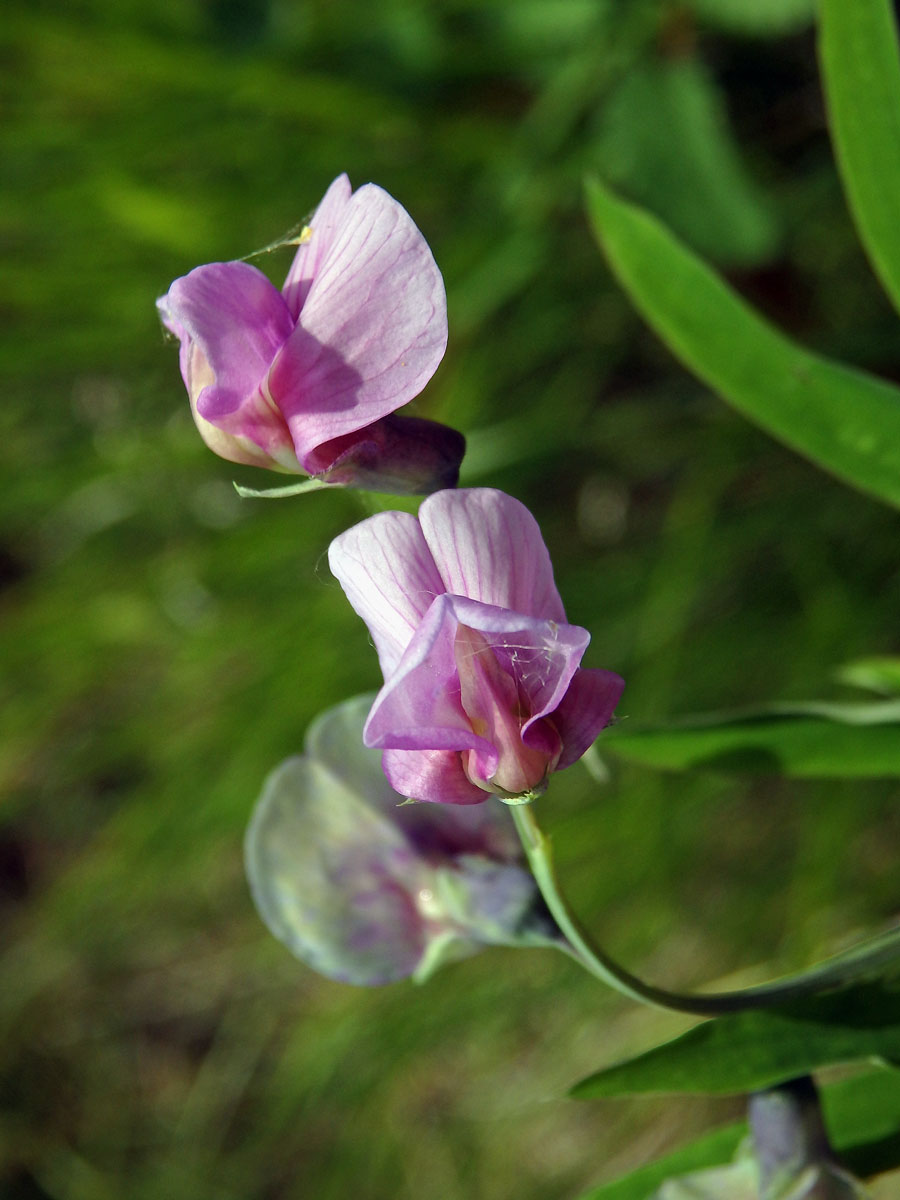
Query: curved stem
[[872, 954]]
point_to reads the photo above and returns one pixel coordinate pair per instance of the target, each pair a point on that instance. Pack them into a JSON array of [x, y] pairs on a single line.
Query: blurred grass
[[164, 644]]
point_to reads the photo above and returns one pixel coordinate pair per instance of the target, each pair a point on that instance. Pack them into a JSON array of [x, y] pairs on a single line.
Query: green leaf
[[861, 78], [807, 741], [686, 168], [752, 1050], [862, 1115], [706, 1151], [844, 420]]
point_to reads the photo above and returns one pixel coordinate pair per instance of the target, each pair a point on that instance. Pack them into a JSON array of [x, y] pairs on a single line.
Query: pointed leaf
[[753, 1050], [845, 420]]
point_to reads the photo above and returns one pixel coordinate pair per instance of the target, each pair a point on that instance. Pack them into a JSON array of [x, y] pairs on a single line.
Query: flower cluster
[[484, 694]]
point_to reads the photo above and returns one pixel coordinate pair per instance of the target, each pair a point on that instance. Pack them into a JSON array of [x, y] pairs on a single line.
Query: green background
[[164, 644]]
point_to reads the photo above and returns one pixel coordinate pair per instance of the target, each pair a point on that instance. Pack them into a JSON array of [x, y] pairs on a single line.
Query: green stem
[[841, 969]]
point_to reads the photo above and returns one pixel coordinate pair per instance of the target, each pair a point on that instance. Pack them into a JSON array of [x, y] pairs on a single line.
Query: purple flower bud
[[367, 889], [403, 455], [306, 379], [483, 689]]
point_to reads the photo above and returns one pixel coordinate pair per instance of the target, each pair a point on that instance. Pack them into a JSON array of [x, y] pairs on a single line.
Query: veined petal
[[387, 572], [231, 321], [260, 436], [437, 834], [377, 303], [419, 706], [322, 229], [491, 701], [585, 710], [433, 775], [488, 546], [238, 319], [334, 740], [333, 879], [540, 656]]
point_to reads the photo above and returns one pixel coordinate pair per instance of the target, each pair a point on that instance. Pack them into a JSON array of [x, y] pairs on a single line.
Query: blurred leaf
[[760, 17], [861, 78], [862, 1115], [741, 1181], [843, 419], [705, 1151], [812, 741], [686, 168], [752, 1050], [736, 1181], [875, 674]]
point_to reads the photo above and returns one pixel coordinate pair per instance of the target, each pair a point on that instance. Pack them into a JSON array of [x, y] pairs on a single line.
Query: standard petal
[[488, 547], [585, 710], [333, 879], [432, 775], [388, 575], [231, 321], [419, 706], [322, 228], [377, 303]]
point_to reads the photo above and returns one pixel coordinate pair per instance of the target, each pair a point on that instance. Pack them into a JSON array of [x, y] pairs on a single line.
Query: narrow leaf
[[707, 1151], [809, 741], [757, 1049], [861, 78], [843, 419]]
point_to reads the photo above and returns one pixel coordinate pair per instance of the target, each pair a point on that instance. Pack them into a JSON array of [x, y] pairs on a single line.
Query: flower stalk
[[832, 973]]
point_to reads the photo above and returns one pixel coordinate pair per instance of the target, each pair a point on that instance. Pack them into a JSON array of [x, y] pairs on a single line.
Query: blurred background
[[164, 644]]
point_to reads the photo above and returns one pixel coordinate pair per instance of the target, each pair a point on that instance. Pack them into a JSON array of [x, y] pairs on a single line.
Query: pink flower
[[307, 379], [483, 690]]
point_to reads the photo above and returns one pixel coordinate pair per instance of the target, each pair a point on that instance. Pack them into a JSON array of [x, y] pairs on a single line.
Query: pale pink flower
[[483, 689], [308, 379]]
